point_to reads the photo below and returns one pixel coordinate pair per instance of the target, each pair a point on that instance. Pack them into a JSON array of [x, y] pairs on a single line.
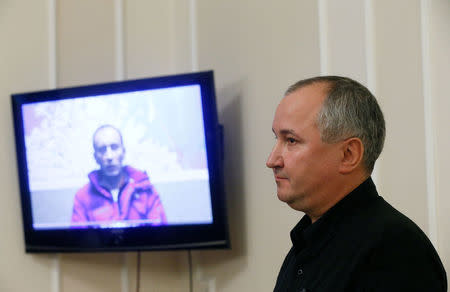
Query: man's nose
[[275, 158], [108, 153]]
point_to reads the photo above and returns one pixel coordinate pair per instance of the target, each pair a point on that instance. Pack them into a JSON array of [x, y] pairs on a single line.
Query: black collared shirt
[[361, 244]]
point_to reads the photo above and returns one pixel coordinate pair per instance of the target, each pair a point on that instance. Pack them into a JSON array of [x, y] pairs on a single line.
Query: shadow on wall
[[228, 263]]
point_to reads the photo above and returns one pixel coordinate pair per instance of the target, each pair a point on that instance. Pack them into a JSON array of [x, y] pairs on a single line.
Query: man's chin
[[283, 197], [111, 172], [288, 198]]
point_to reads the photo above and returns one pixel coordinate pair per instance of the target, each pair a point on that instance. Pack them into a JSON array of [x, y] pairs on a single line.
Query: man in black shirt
[[329, 132]]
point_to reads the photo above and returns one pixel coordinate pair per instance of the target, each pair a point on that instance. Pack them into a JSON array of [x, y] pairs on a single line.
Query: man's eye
[[291, 140], [114, 147]]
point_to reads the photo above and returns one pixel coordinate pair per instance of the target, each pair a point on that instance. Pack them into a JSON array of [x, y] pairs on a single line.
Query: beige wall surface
[[256, 49], [402, 171], [439, 38], [23, 67]]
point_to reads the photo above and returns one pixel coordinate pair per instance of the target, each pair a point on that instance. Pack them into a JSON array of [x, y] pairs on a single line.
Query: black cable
[[138, 271], [191, 282]]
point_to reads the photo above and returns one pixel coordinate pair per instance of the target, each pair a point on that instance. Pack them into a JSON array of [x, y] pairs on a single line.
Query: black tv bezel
[[165, 237]]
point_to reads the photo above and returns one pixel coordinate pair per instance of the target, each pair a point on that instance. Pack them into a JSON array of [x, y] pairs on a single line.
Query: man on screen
[[116, 192]]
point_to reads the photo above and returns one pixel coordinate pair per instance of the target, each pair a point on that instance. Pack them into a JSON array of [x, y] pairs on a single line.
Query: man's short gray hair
[[350, 110], [106, 126]]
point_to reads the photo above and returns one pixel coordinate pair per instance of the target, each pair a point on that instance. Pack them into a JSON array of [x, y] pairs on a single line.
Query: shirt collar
[[103, 183], [305, 233]]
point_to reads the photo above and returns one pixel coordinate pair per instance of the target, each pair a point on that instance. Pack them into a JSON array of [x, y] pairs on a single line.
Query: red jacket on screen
[[138, 200]]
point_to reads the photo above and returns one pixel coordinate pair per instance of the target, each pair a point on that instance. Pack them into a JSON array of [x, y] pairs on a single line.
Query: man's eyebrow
[[288, 132], [285, 132]]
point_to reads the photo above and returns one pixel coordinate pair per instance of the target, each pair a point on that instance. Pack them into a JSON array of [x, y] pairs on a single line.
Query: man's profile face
[[302, 164], [109, 151]]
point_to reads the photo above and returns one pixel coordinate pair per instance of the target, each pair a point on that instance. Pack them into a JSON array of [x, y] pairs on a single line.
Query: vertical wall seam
[[55, 274], [194, 67], [430, 135], [323, 37], [370, 51], [119, 40], [52, 70], [119, 75], [124, 273], [172, 36], [193, 31], [369, 22]]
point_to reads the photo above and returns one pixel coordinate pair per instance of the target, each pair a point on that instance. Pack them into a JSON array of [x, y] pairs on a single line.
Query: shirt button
[[300, 272]]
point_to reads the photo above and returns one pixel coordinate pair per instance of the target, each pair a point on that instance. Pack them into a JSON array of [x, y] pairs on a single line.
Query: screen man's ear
[[95, 156]]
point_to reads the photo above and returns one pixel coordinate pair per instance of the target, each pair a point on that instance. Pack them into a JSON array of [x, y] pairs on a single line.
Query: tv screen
[[130, 165]]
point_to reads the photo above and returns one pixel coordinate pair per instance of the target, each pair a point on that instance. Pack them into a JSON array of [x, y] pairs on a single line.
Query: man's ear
[[352, 155], [95, 157]]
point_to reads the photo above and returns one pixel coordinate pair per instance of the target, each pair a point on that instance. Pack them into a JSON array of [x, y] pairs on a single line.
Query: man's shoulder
[[135, 173], [140, 179], [378, 222], [391, 221], [83, 191], [397, 245]]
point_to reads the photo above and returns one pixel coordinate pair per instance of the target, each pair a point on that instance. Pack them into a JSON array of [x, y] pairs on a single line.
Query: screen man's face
[[109, 151]]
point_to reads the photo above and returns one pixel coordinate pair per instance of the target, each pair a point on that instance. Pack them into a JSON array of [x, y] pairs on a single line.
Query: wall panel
[[257, 49], [346, 39], [183, 37], [402, 175], [85, 42], [439, 31], [23, 67], [148, 37], [164, 272], [156, 35], [157, 38], [90, 272], [85, 55]]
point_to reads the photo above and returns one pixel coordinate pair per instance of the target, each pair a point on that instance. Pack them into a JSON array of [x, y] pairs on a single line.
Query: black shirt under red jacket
[[361, 244]]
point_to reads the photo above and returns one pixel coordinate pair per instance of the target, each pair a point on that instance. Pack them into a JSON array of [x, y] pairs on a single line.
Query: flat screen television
[[122, 166]]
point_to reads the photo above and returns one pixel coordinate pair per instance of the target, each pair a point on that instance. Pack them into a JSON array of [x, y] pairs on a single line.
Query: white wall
[[257, 48]]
